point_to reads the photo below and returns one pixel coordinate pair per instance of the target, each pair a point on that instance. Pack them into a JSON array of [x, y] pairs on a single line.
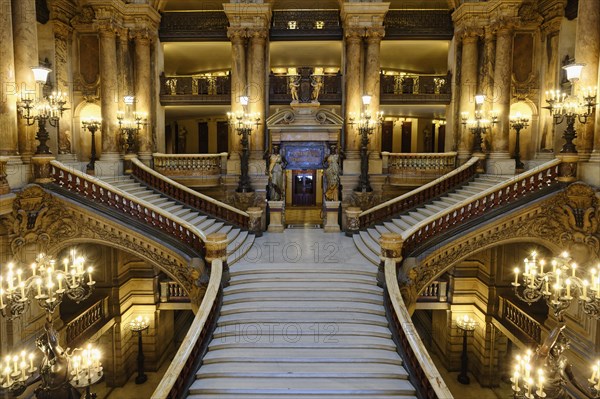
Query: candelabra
[[466, 325], [244, 123], [48, 284], [571, 108], [518, 122], [92, 125], [366, 125], [86, 369], [130, 124], [42, 109], [139, 325], [558, 283], [479, 125]]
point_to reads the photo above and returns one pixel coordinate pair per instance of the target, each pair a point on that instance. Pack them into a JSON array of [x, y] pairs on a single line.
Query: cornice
[[365, 15], [248, 15]]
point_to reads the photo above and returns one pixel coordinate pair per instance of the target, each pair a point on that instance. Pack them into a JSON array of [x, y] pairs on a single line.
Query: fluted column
[[256, 89], [26, 55], [352, 80], [109, 93], [587, 51], [551, 62], [468, 88], [143, 92], [502, 83], [372, 79], [238, 81], [486, 86], [62, 57], [8, 87]]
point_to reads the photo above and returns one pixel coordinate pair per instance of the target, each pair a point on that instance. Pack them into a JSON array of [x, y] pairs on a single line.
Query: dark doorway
[[406, 137], [441, 141], [387, 136], [304, 192], [222, 136], [202, 137]]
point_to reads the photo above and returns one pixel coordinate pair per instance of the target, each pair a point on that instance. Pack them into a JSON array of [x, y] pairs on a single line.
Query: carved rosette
[[255, 214], [352, 221], [391, 246]]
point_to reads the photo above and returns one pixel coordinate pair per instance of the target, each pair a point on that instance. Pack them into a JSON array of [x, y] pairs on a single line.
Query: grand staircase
[[239, 241], [367, 241], [302, 329]]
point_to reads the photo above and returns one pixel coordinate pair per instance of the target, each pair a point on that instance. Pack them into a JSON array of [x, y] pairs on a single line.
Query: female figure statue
[[276, 165], [332, 175]]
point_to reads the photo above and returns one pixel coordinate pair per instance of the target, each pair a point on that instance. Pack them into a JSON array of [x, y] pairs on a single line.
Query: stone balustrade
[[193, 170], [192, 89], [417, 167], [172, 291], [521, 320], [77, 327], [436, 291]]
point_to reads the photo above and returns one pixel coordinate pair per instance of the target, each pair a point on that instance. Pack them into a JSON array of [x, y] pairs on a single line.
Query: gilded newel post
[[391, 248], [352, 221], [216, 248], [255, 223]]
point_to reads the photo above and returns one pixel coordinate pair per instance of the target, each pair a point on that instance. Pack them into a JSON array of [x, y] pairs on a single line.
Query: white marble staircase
[[367, 241], [239, 241], [306, 329]]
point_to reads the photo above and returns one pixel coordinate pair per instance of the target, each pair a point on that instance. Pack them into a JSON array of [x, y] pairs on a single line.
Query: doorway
[[304, 192]]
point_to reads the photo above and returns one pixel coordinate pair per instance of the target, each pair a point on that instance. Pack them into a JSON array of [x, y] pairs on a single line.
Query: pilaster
[[63, 76], [502, 83], [109, 90], [8, 86], [468, 86], [372, 78], [143, 90]]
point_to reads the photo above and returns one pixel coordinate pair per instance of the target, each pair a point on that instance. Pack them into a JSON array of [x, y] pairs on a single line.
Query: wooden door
[[387, 136], [222, 136], [441, 141], [203, 138], [304, 190], [406, 137]]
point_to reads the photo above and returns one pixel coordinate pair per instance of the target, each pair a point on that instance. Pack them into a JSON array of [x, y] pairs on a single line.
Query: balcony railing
[[80, 325], [412, 88], [172, 291], [418, 24], [409, 168], [190, 90], [195, 170], [306, 24], [330, 92], [521, 320], [436, 291], [193, 26]]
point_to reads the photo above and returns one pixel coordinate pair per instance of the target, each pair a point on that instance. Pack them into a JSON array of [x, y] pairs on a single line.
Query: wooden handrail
[[501, 194], [424, 375], [189, 197], [520, 319], [97, 191], [420, 195], [84, 321], [174, 383]]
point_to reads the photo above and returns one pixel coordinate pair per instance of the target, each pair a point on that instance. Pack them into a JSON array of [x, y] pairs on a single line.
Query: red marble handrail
[[101, 193], [420, 196], [503, 194], [189, 197]]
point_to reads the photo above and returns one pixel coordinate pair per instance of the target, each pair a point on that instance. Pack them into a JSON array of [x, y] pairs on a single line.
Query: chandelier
[[479, 124], [130, 123]]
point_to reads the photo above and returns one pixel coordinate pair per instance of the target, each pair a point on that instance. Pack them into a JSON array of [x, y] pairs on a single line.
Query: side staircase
[[367, 241], [302, 330], [239, 241]]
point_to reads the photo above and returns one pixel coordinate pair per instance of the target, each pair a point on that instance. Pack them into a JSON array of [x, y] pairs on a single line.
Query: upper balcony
[[415, 89], [205, 89]]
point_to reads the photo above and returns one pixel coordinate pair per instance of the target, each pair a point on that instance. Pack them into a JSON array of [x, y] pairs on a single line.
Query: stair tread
[[301, 369], [299, 317], [351, 328], [293, 355], [305, 297], [293, 306], [295, 338]]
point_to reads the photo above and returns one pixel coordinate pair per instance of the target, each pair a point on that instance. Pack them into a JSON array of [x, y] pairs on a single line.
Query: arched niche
[[84, 112]]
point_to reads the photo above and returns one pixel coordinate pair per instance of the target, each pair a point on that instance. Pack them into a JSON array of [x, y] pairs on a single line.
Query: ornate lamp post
[[43, 109], [92, 125], [518, 122], [86, 369], [479, 125], [48, 283], [366, 125], [130, 124], [139, 325], [466, 325], [571, 108], [244, 123]]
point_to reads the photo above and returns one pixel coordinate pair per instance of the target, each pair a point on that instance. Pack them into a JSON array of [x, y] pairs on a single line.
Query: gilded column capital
[[354, 34], [123, 34], [141, 36], [237, 35], [551, 27], [106, 28], [374, 35], [62, 31], [504, 27], [470, 35], [258, 35], [489, 34]]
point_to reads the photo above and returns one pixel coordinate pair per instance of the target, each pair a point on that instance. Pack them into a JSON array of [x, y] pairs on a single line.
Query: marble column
[[468, 89], [143, 92], [257, 87], [502, 84], [596, 153], [124, 59], [25, 41], [587, 51], [109, 94], [551, 68], [238, 81], [62, 73], [353, 94], [486, 85], [372, 80], [8, 87]]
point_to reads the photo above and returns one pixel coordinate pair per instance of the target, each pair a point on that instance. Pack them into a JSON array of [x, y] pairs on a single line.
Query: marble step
[[297, 306], [307, 298], [313, 386], [301, 317], [284, 269], [369, 241], [299, 396], [302, 286], [294, 338], [302, 370], [322, 330], [364, 250], [303, 277]]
